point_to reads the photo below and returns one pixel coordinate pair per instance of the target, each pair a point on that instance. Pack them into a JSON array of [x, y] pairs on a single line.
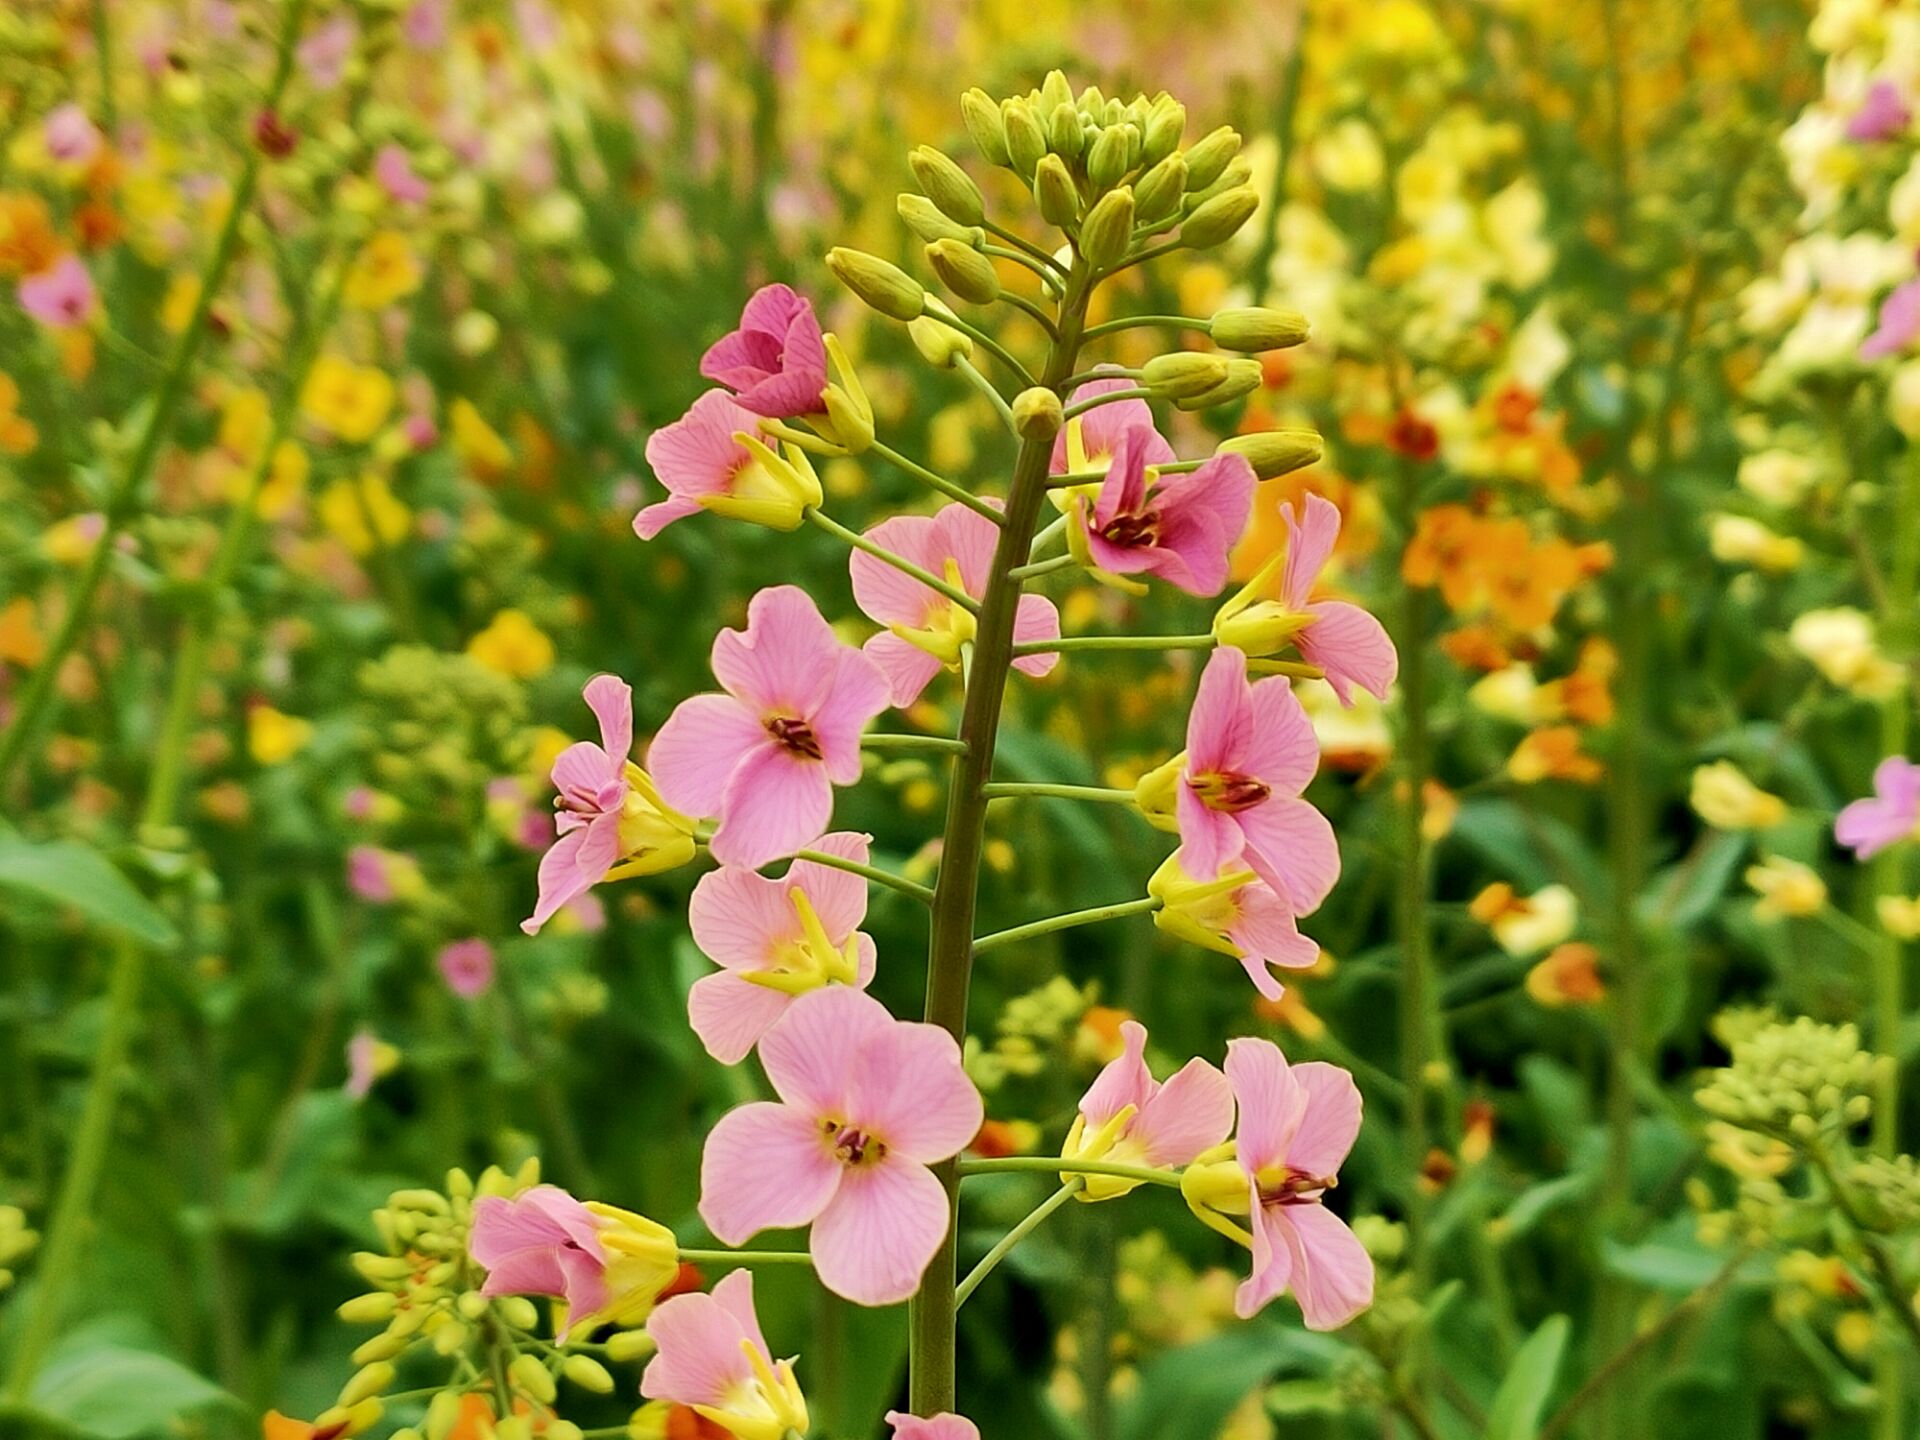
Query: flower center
[[591, 800], [1130, 530], [852, 1146], [795, 735], [1280, 1185], [1229, 791]]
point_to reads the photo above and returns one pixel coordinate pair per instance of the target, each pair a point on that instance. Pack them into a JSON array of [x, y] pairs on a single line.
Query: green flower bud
[[1026, 141], [563, 1430], [1064, 135], [1243, 378], [1177, 376], [1108, 228], [1219, 219], [947, 185], [1054, 90], [625, 1345], [1107, 161], [1093, 103], [1239, 172], [964, 271], [517, 1311], [1037, 414], [1054, 191], [939, 344], [1207, 157], [924, 218], [374, 1308], [984, 124], [1166, 122], [588, 1373], [407, 1432], [471, 1304], [531, 1378], [1157, 195], [1253, 328], [368, 1383], [881, 285], [514, 1427], [381, 1347], [1275, 452]]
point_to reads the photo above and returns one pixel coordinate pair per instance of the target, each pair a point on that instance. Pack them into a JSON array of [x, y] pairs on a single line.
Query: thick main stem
[[950, 951]]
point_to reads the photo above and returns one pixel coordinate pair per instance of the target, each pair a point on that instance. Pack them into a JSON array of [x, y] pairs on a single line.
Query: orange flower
[[1266, 533], [275, 1426], [1477, 647], [1442, 544], [1570, 975], [1412, 436], [1553, 753], [28, 244]]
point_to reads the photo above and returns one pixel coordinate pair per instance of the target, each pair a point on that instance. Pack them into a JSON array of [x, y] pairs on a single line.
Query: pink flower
[[1090, 441], [1882, 115], [866, 1104], [765, 756], [1890, 814], [937, 1427], [70, 136], [1250, 752], [382, 876], [60, 297], [393, 168], [323, 55], [775, 940], [711, 458], [776, 362], [1235, 913], [541, 1242], [1899, 323], [1297, 1124], [368, 1058], [466, 966], [424, 26], [1129, 1117], [1180, 529], [925, 629], [713, 1358]]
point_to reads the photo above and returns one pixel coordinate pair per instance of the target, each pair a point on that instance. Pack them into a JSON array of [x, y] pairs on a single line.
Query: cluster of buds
[[440, 724], [1800, 1081]]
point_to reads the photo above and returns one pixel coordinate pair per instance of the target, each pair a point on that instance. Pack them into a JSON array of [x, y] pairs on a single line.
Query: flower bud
[[964, 271], [1064, 134], [1157, 196], [562, 1430], [588, 1373], [625, 1345], [939, 344], [383, 1346], [1037, 414], [849, 418], [947, 185], [1165, 125], [924, 218], [514, 1427], [1107, 161], [1108, 229], [1026, 141], [881, 285], [374, 1308], [1054, 90], [1253, 328], [1054, 190], [1239, 172], [1219, 219], [1243, 378], [517, 1311], [369, 1382], [1208, 157], [531, 1378], [1156, 794], [1275, 452], [1175, 377], [984, 124]]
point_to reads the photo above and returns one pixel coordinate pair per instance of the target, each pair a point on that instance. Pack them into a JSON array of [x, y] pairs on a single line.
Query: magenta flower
[[1181, 529], [1882, 115], [713, 1358], [393, 168], [1889, 815], [541, 1242], [1090, 441], [946, 1426], [1235, 913], [925, 629], [60, 297], [765, 756], [711, 458], [70, 136], [866, 1104], [775, 940], [1250, 752], [466, 966], [1129, 1117], [776, 362], [1899, 323]]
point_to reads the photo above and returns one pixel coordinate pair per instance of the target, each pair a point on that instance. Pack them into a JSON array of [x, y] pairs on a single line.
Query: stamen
[[796, 735]]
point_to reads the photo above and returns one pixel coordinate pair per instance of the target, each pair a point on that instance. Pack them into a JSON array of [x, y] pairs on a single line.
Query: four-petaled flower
[[1127, 1117], [1235, 913], [609, 1265], [712, 458], [1890, 814], [866, 1104], [776, 362], [714, 1360], [60, 297], [1182, 528]]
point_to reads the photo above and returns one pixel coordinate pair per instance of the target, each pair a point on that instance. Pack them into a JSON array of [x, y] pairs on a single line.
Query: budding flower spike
[[1127, 1117], [714, 1359], [1891, 814], [764, 757], [775, 940]]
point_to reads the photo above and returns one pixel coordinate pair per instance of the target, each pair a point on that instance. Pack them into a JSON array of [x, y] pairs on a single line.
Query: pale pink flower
[[713, 1358], [323, 55], [765, 756], [775, 940], [424, 26], [1889, 815], [946, 1426], [925, 629], [541, 1242], [1129, 1117], [1346, 642], [466, 966], [712, 459], [382, 876], [393, 168], [1090, 441], [776, 362], [866, 1104], [592, 784], [70, 136], [1882, 115], [1235, 913], [1181, 529], [60, 297], [1297, 1123], [1250, 752], [1899, 323], [368, 1058]]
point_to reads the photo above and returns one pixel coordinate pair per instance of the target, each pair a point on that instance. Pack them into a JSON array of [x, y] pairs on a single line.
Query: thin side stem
[[1045, 567], [971, 373], [746, 1257], [1115, 642], [1094, 477], [1092, 916], [874, 873], [1026, 246], [1140, 322], [1056, 1165], [1112, 397], [1100, 794], [986, 342], [1013, 1237], [936, 481], [887, 557], [913, 742], [1031, 311]]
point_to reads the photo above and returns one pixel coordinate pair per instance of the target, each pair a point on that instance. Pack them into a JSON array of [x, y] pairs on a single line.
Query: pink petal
[[1351, 646], [697, 455], [837, 897], [776, 802], [938, 1427], [704, 740], [1193, 1112], [574, 866], [583, 767], [1328, 1129], [734, 1292], [1266, 934], [1036, 619], [1332, 1273], [874, 1241], [1272, 1258], [860, 691], [739, 918], [765, 1167], [1281, 747], [611, 700], [970, 538], [1290, 845], [809, 1055], [889, 597], [730, 1015], [1124, 491], [655, 518], [1310, 543], [1209, 839], [534, 1271], [909, 1088], [1202, 515], [700, 1361], [1123, 1080], [1271, 1102], [1102, 427], [1220, 725], [908, 668], [782, 663]]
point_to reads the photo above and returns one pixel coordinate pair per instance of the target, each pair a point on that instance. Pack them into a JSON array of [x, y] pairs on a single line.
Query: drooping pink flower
[[947, 1426], [1346, 642], [1297, 1123], [713, 1358], [70, 136], [1090, 441], [1889, 815], [776, 362], [466, 966], [541, 1242], [1180, 529], [1250, 752], [1899, 323], [393, 168], [866, 1104], [711, 459], [368, 1058], [1235, 913], [765, 756], [1882, 115], [1129, 1117], [775, 940], [925, 629], [61, 296]]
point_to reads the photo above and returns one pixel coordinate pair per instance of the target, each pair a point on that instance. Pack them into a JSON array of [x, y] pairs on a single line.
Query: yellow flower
[[350, 400], [513, 645], [1899, 916], [176, 308], [1840, 644], [1727, 800], [20, 640], [477, 443], [1786, 888], [17, 433], [360, 512], [1738, 540], [71, 541], [384, 271], [1526, 925], [274, 738]]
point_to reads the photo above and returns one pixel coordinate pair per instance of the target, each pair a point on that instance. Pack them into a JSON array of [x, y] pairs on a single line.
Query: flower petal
[[1220, 725], [908, 668], [809, 1055], [1332, 1121], [1351, 646], [1123, 1080], [700, 1361], [1332, 1272], [1272, 1259], [1271, 1102], [1192, 1112], [1281, 747], [703, 742], [611, 700], [874, 1241], [776, 802], [739, 918], [887, 596], [909, 1087], [1290, 845], [782, 663], [1310, 541], [765, 1167], [837, 897], [730, 1014]]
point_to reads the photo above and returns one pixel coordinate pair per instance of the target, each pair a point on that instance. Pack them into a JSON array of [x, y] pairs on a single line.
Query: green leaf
[[1191, 1391], [115, 1392], [79, 878], [1522, 1397]]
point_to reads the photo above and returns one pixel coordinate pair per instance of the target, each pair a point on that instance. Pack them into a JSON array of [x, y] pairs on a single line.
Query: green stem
[[1100, 794], [1056, 1165], [987, 343], [1014, 1236], [1137, 322], [887, 557], [913, 742], [938, 482], [1038, 568], [986, 387], [1094, 477], [1112, 397], [870, 872], [1115, 642], [1020, 242], [1144, 906], [1032, 311], [746, 1257]]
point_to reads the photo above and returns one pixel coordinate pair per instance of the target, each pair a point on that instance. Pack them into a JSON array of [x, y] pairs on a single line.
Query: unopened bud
[[939, 344], [1207, 157], [1107, 161], [1175, 377], [1054, 90], [947, 185], [1064, 134], [531, 1378], [1275, 452], [626, 1345], [1243, 378], [1252, 328], [1219, 219], [370, 1381], [562, 1430], [926, 220], [1037, 414], [1239, 172], [881, 285], [588, 1373], [984, 124], [381, 1347], [514, 1427], [1026, 141], [1164, 128], [1054, 190], [1108, 229], [517, 1311], [371, 1309], [964, 271], [1157, 196]]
